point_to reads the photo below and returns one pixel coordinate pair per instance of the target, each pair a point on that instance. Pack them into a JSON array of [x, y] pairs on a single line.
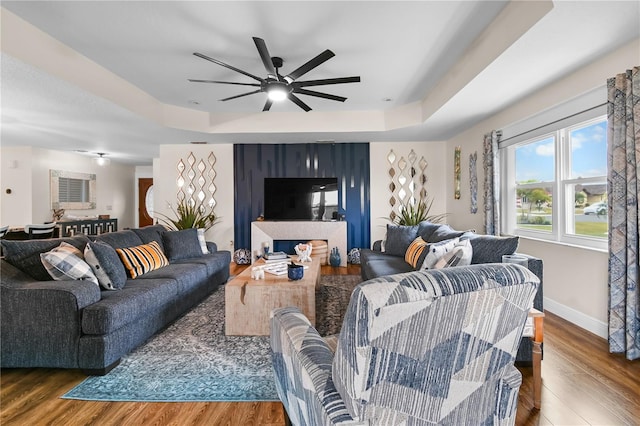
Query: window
[[556, 185]]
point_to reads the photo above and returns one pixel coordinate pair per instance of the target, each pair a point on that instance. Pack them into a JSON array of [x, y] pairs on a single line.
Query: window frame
[[562, 193]]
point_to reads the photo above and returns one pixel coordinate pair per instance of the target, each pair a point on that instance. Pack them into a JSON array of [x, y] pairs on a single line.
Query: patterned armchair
[[421, 348]]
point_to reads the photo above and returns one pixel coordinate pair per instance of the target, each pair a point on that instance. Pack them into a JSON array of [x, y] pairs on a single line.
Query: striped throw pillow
[[139, 260], [460, 256], [414, 252]]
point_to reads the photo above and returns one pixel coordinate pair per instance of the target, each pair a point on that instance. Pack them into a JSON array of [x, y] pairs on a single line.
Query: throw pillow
[[141, 259], [106, 265], [202, 241], [437, 251], [25, 255], [459, 256], [414, 253], [398, 239], [66, 261], [490, 249], [444, 232], [149, 233], [426, 229], [181, 244]]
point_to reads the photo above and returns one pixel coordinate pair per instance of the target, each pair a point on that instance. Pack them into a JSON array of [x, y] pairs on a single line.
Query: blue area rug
[[192, 360]]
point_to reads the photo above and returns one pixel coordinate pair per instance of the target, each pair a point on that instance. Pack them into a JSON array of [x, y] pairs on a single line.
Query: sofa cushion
[[416, 252], [151, 233], [106, 265], [460, 256], [119, 308], [120, 239], [67, 262], [398, 238], [437, 250], [490, 249], [25, 255], [141, 259], [389, 266], [186, 275], [444, 232], [426, 229], [214, 262], [182, 244]]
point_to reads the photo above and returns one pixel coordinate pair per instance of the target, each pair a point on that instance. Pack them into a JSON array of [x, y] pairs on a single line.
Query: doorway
[[145, 202]]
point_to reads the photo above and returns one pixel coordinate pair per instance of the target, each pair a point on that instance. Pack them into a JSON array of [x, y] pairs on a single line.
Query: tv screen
[[300, 198]]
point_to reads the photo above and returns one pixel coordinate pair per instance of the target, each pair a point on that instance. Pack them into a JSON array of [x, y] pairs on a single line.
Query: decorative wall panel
[[196, 181], [408, 180], [349, 162]]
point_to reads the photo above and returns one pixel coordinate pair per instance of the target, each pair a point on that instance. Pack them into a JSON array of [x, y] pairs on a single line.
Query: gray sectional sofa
[[388, 257], [79, 324]]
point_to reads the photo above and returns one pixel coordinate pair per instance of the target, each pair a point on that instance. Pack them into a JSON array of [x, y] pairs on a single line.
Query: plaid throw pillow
[[141, 259], [414, 252], [66, 261]]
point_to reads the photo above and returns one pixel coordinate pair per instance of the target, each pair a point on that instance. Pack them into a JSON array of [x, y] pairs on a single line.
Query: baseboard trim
[[591, 324]]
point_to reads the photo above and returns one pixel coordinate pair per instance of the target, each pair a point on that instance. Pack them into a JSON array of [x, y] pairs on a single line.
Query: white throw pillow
[[66, 261], [437, 251], [202, 241], [460, 256]]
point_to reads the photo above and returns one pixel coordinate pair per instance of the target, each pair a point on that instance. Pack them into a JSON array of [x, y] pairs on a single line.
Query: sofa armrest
[[40, 320], [302, 364], [212, 247]]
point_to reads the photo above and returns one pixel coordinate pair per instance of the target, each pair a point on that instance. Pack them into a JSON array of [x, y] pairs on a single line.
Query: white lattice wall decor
[[196, 181], [408, 181]]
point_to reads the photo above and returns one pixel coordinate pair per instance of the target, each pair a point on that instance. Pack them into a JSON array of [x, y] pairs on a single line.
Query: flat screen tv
[[300, 198]]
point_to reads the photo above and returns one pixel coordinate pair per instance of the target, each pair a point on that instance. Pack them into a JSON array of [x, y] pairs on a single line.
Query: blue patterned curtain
[[491, 184], [623, 154]]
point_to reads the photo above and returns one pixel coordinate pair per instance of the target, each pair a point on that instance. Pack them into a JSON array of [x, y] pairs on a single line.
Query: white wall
[[30, 201], [436, 173], [165, 187], [575, 279], [16, 177]]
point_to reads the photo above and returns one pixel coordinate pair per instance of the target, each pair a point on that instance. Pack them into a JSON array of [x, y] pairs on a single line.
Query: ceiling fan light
[[101, 160], [277, 94]]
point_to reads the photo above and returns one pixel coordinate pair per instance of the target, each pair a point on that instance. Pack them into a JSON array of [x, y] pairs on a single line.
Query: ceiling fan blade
[[267, 105], [265, 56], [298, 102], [325, 81], [305, 68], [239, 96], [320, 95], [224, 82], [231, 67]]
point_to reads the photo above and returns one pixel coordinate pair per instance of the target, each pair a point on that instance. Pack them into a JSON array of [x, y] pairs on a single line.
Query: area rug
[[192, 360]]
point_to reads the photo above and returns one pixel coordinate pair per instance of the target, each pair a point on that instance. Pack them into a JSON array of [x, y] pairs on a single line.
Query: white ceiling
[[427, 57]]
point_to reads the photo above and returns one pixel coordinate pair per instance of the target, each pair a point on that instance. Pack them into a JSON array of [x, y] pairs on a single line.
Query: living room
[[576, 277]]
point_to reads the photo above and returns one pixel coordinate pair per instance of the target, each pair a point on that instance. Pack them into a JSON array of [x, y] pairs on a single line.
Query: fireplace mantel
[[335, 233]]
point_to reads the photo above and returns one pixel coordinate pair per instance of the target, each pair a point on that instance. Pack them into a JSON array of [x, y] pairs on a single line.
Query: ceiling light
[[101, 160], [277, 91]]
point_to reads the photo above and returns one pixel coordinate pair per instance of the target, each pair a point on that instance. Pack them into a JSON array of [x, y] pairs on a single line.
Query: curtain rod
[[553, 122]]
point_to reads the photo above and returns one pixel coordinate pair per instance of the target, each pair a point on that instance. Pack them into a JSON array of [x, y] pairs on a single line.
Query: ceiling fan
[[280, 87]]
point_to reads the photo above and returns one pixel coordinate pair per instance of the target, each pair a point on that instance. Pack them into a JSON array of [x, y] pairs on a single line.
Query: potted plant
[[416, 212], [189, 215]]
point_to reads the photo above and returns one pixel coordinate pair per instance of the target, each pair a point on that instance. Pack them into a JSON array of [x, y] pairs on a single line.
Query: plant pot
[[295, 271]]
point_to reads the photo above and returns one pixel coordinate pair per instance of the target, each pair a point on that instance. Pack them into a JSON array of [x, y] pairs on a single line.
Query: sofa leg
[[100, 371]]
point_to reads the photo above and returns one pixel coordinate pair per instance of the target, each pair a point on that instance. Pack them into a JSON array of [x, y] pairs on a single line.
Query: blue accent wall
[[349, 162]]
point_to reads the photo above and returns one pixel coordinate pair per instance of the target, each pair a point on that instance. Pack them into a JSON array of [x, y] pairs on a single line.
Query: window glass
[[535, 162], [588, 150]]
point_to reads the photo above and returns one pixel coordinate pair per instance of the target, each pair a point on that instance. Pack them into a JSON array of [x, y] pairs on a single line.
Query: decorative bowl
[[294, 271]]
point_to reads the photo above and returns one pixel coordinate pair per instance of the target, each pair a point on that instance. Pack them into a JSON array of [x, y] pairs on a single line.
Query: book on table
[[276, 255]]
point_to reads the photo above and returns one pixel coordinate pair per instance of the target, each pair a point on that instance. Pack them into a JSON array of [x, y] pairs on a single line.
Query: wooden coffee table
[[249, 302]]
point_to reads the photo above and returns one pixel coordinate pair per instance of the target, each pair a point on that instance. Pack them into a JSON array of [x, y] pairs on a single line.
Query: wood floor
[[582, 385]]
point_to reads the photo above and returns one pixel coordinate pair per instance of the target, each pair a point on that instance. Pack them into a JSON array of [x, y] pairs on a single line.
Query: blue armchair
[[421, 348]]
